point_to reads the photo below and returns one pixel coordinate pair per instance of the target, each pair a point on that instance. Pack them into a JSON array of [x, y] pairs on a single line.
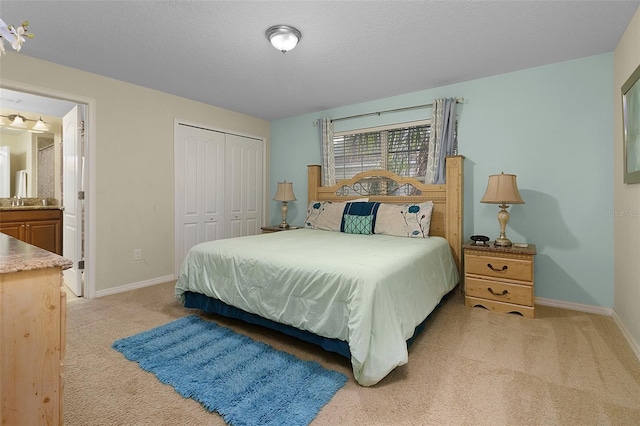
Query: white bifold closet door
[[219, 187], [244, 182]]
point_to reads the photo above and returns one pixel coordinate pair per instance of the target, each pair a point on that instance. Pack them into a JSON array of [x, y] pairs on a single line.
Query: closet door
[[244, 185], [199, 178]]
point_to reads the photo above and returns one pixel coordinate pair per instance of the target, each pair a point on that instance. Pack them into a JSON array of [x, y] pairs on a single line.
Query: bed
[[362, 295]]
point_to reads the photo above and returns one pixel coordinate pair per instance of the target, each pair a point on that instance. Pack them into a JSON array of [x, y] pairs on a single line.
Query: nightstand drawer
[[503, 292], [499, 267]]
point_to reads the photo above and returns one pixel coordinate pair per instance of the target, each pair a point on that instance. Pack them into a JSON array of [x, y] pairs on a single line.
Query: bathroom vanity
[[34, 224]]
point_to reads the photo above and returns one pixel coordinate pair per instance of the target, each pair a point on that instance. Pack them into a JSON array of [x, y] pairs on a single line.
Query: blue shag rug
[[246, 382]]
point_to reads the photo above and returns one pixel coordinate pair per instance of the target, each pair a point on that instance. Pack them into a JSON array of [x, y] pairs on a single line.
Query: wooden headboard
[[446, 220]]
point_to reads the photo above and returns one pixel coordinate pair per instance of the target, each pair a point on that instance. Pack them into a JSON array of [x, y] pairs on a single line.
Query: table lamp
[[502, 189], [284, 194]]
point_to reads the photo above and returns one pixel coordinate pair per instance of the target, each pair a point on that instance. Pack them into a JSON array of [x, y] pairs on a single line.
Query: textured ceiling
[[351, 51]]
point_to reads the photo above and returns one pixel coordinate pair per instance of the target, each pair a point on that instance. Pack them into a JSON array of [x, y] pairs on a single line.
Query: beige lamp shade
[[502, 189], [284, 192]]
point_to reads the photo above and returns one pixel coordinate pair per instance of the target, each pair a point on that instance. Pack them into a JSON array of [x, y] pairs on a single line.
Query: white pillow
[[325, 215], [404, 220]]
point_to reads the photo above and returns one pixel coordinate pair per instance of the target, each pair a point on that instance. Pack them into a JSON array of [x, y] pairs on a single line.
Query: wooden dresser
[[32, 334], [500, 278]]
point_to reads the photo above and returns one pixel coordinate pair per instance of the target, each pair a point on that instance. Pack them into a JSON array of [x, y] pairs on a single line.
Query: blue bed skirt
[[208, 304]]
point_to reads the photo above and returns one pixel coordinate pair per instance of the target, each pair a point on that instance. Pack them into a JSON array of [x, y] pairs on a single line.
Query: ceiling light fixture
[[283, 37], [17, 121]]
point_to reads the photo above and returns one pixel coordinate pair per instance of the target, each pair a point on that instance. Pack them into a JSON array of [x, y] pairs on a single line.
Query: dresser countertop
[[17, 256]]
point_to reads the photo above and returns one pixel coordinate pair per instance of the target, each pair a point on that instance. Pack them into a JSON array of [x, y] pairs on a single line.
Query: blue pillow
[[360, 209], [358, 224]]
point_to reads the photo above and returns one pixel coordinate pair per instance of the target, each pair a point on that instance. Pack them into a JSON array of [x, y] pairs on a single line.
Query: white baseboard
[[634, 345], [574, 306], [594, 310], [133, 286]]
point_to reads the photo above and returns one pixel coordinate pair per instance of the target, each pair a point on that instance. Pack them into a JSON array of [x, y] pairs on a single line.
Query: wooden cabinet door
[[13, 229], [42, 228], [44, 234]]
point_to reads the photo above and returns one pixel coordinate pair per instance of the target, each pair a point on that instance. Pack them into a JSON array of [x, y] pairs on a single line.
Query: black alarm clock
[[480, 240]]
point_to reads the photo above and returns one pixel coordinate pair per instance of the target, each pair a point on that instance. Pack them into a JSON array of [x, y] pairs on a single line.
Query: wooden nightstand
[[499, 278], [276, 228]]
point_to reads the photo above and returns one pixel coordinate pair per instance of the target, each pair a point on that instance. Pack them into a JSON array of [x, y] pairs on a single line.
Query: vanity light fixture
[[39, 127], [283, 37], [18, 121]]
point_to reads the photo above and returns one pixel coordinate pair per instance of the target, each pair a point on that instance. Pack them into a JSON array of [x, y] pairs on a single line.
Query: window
[[401, 149]]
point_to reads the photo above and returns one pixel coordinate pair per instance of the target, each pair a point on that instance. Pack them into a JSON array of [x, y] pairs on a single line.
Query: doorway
[[55, 105]]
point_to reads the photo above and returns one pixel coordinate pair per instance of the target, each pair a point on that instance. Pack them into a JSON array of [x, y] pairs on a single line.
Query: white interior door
[[72, 171], [199, 178], [244, 183], [5, 172]]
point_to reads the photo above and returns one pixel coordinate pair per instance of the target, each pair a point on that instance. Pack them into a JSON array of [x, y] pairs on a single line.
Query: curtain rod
[[458, 100]]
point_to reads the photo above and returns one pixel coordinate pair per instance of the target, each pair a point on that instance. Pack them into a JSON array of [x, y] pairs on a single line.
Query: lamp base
[[503, 219], [503, 242], [284, 224]]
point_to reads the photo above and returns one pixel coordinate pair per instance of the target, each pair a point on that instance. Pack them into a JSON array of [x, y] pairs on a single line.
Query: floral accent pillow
[[324, 215], [406, 220]]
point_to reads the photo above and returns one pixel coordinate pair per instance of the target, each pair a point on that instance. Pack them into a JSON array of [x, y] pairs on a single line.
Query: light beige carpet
[[469, 367]]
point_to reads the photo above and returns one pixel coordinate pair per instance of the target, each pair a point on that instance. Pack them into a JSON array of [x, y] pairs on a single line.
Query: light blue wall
[[552, 126]]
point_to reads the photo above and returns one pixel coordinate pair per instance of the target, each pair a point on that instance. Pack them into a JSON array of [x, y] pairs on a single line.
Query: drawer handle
[[504, 292], [504, 268]]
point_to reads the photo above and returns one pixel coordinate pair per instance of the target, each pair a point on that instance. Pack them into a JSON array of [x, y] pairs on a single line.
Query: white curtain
[[442, 139], [328, 158]]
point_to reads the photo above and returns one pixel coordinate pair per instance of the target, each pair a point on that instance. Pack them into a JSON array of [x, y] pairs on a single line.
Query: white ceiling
[[351, 51], [12, 102]]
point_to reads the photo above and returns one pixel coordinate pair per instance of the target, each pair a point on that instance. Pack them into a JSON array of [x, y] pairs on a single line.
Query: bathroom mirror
[[30, 164], [26, 149]]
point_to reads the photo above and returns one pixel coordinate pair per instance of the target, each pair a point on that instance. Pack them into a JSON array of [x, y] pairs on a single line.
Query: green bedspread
[[369, 290]]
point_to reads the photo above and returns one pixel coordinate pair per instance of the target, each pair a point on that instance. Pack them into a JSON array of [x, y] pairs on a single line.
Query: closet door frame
[[178, 197]]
